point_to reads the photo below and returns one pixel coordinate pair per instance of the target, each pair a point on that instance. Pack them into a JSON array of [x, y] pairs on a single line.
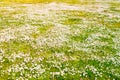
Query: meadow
[[59, 39]]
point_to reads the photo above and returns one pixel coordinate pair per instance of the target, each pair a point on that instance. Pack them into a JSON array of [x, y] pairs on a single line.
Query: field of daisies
[[60, 40]]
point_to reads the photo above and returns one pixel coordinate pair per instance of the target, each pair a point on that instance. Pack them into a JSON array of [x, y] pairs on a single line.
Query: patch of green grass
[[16, 46], [90, 49], [73, 20], [48, 1], [7, 19], [42, 29]]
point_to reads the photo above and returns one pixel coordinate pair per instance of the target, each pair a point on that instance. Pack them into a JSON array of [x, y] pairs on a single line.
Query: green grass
[[48, 1], [63, 40]]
